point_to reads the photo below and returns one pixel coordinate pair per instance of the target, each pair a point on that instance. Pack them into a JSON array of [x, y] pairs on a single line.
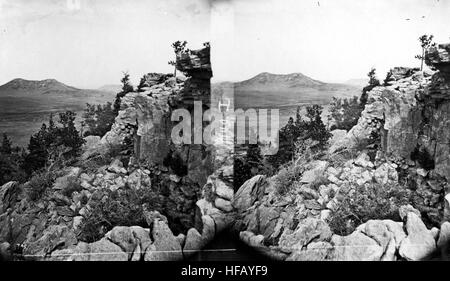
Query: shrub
[[286, 178], [320, 180], [72, 186], [345, 113], [373, 82], [39, 183], [250, 165], [10, 168], [122, 207], [98, 119], [53, 143], [300, 130], [363, 203], [118, 208], [126, 88]]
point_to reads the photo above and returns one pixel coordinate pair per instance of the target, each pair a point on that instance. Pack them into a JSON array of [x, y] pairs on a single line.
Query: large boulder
[[166, 246], [124, 238], [355, 247], [193, 242], [444, 235], [307, 231], [5, 252], [315, 251], [439, 57], [54, 237], [419, 243], [379, 231], [250, 192], [105, 250], [8, 195]]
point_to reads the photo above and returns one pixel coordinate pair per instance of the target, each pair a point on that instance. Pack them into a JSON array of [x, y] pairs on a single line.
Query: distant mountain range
[[26, 104], [278, 82], [21, 88], [269, 90]]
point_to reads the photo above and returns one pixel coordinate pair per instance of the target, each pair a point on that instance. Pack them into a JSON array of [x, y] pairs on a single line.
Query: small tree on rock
[[126, 88], [178, 47], [6, 147], [426, 41], [373, 82]]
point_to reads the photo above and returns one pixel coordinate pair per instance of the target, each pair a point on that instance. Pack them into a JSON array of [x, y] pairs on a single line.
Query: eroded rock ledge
[[196, 199], [412, 119], [298, 231]]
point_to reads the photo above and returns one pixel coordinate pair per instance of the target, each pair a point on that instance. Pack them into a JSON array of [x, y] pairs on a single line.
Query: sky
[[89, 43]]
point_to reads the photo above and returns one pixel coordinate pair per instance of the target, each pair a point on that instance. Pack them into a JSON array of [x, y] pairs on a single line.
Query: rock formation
[[409, 118], [194, 197]]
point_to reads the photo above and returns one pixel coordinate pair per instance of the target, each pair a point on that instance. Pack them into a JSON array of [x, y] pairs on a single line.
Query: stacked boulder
[[285, 231], [410, 114], [48, 228]]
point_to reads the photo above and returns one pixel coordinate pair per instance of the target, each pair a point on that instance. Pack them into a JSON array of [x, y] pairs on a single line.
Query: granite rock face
[[181, 176], [411, 113], [410, 118], [439, 57], [145, 117]]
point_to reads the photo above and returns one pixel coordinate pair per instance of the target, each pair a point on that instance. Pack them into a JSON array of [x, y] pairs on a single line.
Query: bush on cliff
[[53, 143], [39, 183], [122, 207], [126, 88], [98, 119], [250, 165], [362, 203], [345, 113], [373, 82], [299, 131], [116, 208], [286, 178], [11, 159]]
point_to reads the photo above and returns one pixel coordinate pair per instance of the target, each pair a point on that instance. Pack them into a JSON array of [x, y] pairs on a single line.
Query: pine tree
[[98, 119], [126, 88], [38, 153], [46, 144], [373, 82], [68, 134], [6, 147], [426, 41], [178, 47], [315, 128]]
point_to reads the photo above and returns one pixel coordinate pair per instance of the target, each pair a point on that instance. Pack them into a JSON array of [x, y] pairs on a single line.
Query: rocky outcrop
[[410, 114], [145, 118], [285, 232], [419, 243], [8, 195], [393, 112], [193, 197], [135, 243], [439, 57], [408, 120], [411, 117]]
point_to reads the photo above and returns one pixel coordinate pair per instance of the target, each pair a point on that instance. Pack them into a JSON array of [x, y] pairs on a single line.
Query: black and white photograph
[[242, 132]]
